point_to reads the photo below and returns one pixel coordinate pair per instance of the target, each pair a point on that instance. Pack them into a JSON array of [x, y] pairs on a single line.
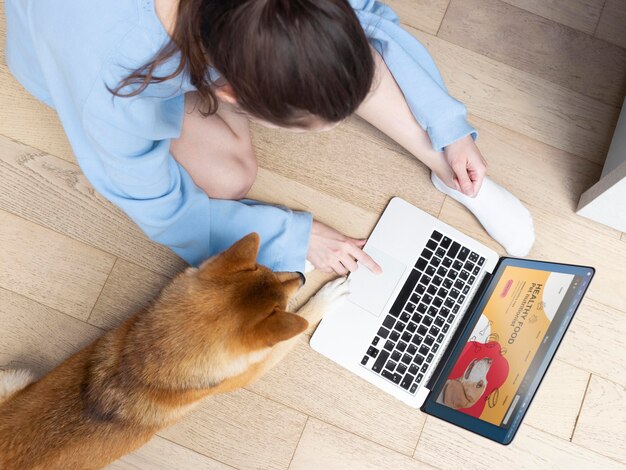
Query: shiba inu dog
[[211, 330], [465, 391]]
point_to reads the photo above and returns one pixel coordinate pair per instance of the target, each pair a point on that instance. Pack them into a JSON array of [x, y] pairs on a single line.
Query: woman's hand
[[468, 165], [331, 251]]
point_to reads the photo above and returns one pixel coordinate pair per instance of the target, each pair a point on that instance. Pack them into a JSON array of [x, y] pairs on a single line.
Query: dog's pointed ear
[[241, 255], [277, 327]]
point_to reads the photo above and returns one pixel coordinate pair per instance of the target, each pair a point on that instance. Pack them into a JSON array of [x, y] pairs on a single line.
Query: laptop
[[450, 327]]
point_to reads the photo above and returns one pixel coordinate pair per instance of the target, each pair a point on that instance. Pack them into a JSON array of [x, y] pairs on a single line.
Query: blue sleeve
[[443, 117], [132, 166]]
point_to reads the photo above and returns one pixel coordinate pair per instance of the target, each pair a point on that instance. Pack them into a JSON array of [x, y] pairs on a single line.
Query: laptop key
[[383, 332], [423, 350], [418, 359], [411, 349], [447, 283], [431, 245], [395, 356], [399, 326], [419, 378], [445, 328], [409, 308], [435, 261], [417, 317], [405, 317], [455, 309], [434, 330], [441, 252], [454, 293], [389, 345], [401, 346], [410, 328], [407, 358], [452, 274], [375, 340], [457, 265], [464, 275], [373, 352], [447, 262], [445, 242], [432, 290], [389, 321], [436, 235], [414, 387], [458, 284], [427, 320], [424, 368], [426, 253], [395, 378], [421, 308], [463, 254], [435, 347], [422, 330], [429, 340], [444, 311], [481, 261], [417, 339], [430, 270], [466, 289], [401, 368], [437, 280], [380, 361], [440, 338], [476, 270], [420, 289], [413, 369], [468, 266], [430, 357], [473, 256], [365, 359], [454, 249], [407, 381], [427, 298], [415, 298], [437, 302], [471, 279], [439, 321], [461, 299], [406, 336], [394, 336]]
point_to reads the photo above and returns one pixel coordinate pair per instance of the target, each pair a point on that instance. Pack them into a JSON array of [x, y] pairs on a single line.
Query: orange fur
[[212, 330]]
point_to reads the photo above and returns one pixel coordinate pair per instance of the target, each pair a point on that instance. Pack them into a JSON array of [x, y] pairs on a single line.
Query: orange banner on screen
[[503, 344]]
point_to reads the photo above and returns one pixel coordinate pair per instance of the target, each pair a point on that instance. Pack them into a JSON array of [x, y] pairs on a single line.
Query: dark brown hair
[[284, 59]]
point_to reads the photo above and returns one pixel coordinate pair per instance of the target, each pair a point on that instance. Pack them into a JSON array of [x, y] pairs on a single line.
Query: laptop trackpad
[[370, 291]]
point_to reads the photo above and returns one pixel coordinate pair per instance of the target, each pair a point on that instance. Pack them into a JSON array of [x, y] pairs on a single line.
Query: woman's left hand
[[468, 165]]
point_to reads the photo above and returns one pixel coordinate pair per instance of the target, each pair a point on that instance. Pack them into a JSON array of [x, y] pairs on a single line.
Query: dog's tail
[[12, 381]]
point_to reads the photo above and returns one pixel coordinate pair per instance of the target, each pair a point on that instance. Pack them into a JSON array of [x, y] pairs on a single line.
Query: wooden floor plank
[[52, 192], [530, 449], [538, 46], [241, 429], [51, 268], [421, 14], [612, 25], [598, 331], [524, 102], [37, 337], [128, 288], [582, 15], [318, 387], [555, 408], [351, 163], [161, 454], [601, 425], [323, 446]]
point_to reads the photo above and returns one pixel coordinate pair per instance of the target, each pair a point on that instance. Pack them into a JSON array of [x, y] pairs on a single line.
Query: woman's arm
[[411, 70], [386, 109]]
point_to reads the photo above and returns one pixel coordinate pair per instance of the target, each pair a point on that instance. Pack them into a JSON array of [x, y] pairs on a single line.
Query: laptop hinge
[[460, 329]]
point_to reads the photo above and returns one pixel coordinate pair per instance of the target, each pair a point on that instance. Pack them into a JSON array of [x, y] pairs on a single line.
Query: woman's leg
[[217, 150]]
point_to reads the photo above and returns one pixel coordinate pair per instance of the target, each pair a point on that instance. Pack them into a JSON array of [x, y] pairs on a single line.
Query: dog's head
[[474, 378], [214, 321]]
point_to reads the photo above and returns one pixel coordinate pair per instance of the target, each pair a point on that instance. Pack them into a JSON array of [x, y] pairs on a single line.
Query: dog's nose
[[302, 278]]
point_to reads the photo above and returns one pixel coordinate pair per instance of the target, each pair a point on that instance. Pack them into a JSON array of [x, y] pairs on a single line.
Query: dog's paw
[[333, 292]]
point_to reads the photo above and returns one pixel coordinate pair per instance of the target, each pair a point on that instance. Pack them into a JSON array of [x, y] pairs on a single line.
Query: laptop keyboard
[[412, 332]]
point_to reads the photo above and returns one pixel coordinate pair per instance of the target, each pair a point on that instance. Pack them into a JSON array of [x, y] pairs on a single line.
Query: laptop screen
[[497, 364]]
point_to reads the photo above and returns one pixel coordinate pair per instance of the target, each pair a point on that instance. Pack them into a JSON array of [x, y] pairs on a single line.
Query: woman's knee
[[241, 178]]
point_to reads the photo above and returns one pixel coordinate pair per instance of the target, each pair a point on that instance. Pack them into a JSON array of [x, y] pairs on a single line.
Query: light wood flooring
[[543, 81]]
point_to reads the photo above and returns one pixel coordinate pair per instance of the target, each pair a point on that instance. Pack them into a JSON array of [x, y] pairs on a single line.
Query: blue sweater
[[65, 54]]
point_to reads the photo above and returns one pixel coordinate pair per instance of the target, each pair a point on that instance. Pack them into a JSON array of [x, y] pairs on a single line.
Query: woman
[[156, 97]]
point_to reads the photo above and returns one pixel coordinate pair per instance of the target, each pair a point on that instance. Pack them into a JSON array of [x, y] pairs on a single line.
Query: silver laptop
[[450, 327], [408, 314]]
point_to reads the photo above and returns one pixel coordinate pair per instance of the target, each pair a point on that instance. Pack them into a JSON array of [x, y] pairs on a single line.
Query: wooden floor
[[543, 82]]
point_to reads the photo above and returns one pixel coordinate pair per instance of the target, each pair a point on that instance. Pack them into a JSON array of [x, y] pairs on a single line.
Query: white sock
[[501, 214], [308, 266]]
